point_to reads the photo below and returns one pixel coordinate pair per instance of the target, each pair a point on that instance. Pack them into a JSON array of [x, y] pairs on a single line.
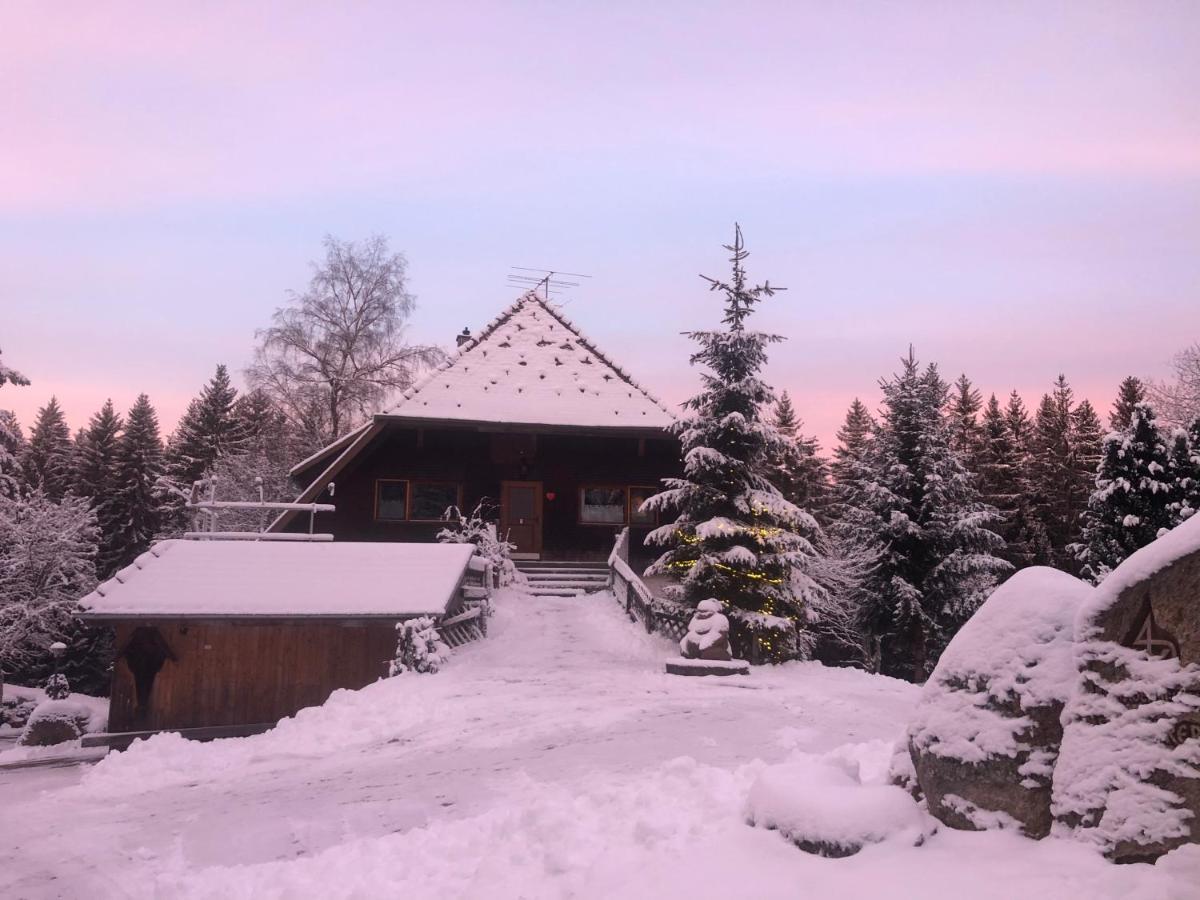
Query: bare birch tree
[[1177, 402], [336, 352]]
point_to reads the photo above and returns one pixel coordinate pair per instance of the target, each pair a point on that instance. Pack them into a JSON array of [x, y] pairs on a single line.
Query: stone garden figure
[[705, 648], [708, 633]]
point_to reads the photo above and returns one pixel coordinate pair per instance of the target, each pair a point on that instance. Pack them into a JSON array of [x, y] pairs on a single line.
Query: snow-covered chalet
[[530, 415]]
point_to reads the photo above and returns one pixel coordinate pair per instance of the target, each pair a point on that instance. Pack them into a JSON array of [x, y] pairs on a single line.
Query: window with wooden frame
[[391, 500], [429, 500], [638, 495], [602, 505], [406, 500]]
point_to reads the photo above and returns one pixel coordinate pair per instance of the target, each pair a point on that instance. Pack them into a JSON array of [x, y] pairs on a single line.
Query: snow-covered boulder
[[985, 735], [1129, 773]]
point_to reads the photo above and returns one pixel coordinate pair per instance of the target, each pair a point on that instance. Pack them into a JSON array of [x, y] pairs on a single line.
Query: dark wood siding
[[233, 673], [480, 461]]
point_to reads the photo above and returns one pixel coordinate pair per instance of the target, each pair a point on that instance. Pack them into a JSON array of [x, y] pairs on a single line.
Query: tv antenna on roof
[[548, 282]]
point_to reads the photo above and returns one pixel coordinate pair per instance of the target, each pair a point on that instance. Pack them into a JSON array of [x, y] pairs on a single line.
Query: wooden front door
[[521, 514]]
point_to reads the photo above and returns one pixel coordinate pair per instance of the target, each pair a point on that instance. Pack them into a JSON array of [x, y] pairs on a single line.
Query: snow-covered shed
[[222, 633], [530, 414]]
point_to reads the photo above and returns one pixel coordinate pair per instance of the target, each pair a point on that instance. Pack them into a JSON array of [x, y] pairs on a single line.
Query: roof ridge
[[123, 574], [491, 326], [591, 345], [489, 329]]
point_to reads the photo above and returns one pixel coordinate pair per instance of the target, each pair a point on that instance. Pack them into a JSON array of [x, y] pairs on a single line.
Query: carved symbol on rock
[[1152, 640], [1183, 731]]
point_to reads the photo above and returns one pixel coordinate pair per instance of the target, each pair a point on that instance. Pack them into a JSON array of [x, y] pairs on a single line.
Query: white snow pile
[[1015, 654], [836, 803], [675, 830]]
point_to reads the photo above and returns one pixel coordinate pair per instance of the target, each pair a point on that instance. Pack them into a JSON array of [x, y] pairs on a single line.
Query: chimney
[[464, 337]]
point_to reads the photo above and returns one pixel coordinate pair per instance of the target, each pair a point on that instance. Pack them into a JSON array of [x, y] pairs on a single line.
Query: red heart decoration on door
[[550, 495]]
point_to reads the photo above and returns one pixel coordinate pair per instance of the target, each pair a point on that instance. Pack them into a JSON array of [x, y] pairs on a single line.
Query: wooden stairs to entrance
[[563, 578]]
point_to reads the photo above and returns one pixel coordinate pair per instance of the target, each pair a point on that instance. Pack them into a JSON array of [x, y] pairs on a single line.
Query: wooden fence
[[468, 619]]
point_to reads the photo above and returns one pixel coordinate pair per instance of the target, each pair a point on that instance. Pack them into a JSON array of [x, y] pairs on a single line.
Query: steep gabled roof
[[532, 366]]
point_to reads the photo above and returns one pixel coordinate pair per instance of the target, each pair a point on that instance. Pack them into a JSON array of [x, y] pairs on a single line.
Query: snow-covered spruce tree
[[12, 449], [1185, 473], [95, 477], [1020, 426], [849, 552], [1132, 503], [853, 438], [962, 419], [734, 537], [1064, 451], [912, 495], [47, 562], [1087, 435], [11, 376], [208, 430], [419, 648], [48, 455], [261, 459], [1130, 393], [137, 497], [797, 468], [12, 439], [1003, 483]]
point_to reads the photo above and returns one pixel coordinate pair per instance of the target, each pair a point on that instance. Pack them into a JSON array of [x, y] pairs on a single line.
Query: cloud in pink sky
[[1015, 189]]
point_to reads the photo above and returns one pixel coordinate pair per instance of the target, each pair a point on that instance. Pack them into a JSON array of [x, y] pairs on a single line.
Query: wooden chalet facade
[[530, 416]]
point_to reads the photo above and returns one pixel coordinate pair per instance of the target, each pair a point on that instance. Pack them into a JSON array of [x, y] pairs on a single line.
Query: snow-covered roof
[[222, 579], [532, 366]]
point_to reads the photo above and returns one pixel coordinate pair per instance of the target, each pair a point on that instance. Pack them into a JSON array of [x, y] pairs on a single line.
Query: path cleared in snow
[[553, 759]]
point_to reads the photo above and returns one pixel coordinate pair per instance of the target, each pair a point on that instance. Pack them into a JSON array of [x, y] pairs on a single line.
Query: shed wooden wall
[[234, 673]]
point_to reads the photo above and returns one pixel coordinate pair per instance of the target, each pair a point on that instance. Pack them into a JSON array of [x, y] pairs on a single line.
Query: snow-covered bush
[[55, 721], [57, 687], [47, 562], [478, 529], [16, 709], [419, 647]]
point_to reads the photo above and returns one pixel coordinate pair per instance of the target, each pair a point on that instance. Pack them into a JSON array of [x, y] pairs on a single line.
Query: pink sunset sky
[[1013, 188]]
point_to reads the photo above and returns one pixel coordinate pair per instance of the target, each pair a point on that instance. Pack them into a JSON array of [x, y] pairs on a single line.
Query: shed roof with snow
[[262, 579]]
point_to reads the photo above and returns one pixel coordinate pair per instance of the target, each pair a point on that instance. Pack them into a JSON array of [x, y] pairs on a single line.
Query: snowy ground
[[552, 760]]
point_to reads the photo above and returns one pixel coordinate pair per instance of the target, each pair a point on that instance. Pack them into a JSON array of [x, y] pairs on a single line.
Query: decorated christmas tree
[[734, 537]]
